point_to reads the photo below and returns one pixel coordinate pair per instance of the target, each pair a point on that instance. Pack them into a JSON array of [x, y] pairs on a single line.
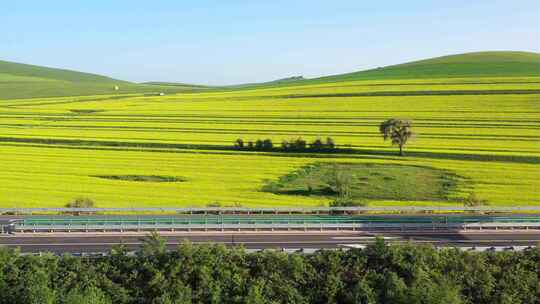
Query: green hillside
[[178, 85], [34, 71], [28, 81], [19, 80], [468, 65], [283, 81], [479, 64]]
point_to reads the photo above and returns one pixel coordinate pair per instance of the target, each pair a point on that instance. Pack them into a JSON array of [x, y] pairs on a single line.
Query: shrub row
[[293, 145]]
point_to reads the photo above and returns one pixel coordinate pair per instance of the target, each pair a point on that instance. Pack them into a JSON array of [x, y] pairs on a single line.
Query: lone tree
[[341, 181], [398, 130]]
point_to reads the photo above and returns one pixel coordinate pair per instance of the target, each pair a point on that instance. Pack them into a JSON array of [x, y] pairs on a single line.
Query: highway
[[439, 230], [102, 242]]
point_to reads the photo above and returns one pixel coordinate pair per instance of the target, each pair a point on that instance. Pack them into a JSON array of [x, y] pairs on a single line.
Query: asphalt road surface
[[94, 243]]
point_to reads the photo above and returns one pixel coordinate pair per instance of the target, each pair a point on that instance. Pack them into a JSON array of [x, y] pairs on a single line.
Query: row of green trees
[[293, 145], [214, 274], [398, 131]]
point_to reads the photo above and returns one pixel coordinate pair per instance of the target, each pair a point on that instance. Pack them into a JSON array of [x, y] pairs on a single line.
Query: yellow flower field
[[486, 130]]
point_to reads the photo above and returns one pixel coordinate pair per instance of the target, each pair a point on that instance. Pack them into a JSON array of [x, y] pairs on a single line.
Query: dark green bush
[[239, 143]]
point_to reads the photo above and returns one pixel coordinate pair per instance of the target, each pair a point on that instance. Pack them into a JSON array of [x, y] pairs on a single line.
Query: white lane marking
[[358, 246], [173, 243], [365, 237], [256, 242], [163, 233]]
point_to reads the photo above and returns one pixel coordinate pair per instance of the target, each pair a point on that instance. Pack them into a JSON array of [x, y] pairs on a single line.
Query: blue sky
[[225, 42]]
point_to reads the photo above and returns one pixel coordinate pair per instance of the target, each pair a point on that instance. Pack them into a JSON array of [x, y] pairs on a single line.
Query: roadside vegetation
[[80, 202], [406, 274], [473, 200]]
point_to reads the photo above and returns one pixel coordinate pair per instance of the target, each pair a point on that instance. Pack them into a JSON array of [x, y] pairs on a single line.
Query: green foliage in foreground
[[367, 181], [214, 274]]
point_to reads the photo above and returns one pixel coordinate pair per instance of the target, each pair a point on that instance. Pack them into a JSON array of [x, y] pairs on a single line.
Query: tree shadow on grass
[[221, 149], [523, 159], [305, 192]]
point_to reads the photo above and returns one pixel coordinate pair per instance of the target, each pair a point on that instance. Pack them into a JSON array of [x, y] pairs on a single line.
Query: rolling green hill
[[34, 71], [283, 81], [19, 80], [27, 81], [177, 85], [468, 65], [479, 64]]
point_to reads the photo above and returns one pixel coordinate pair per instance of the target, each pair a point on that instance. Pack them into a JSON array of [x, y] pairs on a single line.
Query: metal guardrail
[[251, 224], [276, 210], [267, 219]]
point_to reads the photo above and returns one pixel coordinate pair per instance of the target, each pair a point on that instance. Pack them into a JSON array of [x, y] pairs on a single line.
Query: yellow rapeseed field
[[52, 149]]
